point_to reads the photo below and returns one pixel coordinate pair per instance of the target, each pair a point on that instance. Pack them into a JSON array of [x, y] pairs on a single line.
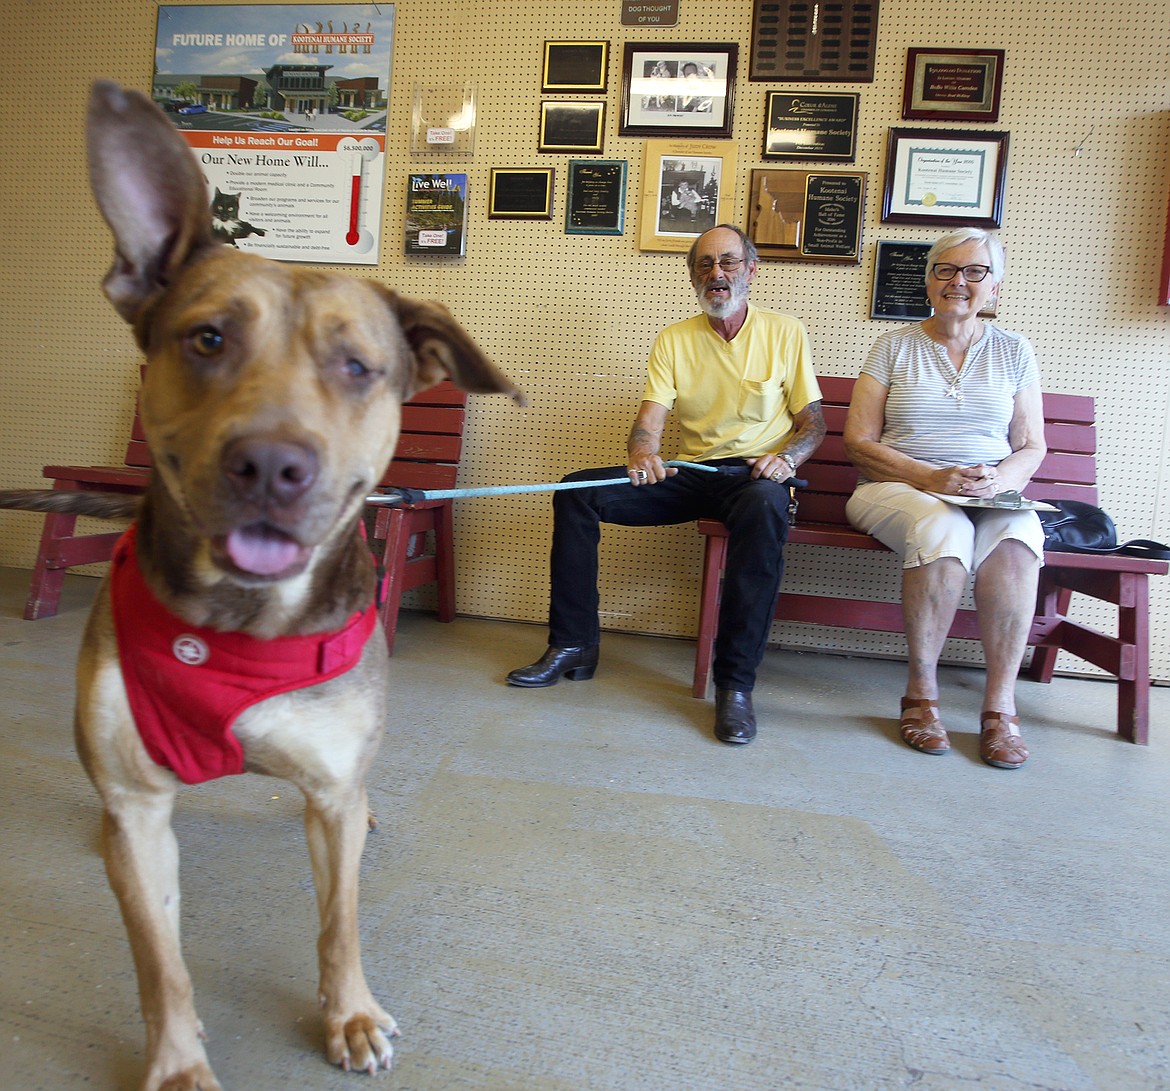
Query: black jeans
[[756, 515]]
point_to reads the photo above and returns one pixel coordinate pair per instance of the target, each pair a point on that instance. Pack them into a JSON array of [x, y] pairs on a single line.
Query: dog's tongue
[[262, 550]]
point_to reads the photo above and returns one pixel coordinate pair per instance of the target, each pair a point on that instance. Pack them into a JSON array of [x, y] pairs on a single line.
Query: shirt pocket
[[759, 402]]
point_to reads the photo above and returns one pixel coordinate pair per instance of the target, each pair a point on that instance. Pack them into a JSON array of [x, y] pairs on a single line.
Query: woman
[[952, 406]]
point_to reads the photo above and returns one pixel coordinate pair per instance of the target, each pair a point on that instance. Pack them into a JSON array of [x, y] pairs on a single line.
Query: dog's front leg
[[141, 856], [142, 861], [357, 1029]]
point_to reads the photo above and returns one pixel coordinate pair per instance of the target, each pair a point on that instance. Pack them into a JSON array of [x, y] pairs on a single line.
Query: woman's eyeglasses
[[972, 273]]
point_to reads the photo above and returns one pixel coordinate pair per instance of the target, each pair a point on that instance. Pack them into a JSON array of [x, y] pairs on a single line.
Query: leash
[[395, 495]]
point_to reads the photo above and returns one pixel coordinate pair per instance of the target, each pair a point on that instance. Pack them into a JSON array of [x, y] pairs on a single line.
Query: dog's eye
[[207, 341], [355, 369]]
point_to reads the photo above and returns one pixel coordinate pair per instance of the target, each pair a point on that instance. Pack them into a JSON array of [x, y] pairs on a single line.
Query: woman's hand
[[979, 481]]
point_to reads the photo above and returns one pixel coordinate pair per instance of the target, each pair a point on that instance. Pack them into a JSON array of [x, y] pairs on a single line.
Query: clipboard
[[1004, 501]]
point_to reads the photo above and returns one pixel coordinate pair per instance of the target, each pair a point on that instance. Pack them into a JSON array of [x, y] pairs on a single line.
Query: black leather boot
[[735, 722], [577, 664]]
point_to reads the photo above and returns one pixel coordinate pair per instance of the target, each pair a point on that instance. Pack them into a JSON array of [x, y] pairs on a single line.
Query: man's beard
[[738, 290]]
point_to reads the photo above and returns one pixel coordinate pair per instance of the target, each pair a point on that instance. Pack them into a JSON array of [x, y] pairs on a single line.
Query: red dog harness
[[187, 683]]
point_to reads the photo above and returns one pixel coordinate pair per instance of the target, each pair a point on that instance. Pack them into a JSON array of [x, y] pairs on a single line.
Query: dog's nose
[[265, 470]]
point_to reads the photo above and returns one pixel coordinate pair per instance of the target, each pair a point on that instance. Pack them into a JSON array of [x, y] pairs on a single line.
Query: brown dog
[[271, 406]]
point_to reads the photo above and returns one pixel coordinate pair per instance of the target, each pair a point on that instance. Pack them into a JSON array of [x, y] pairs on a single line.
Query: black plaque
[[832, 225], [521, 194], [572, 126], [596, 203], [575, 66], [811, 126], [808, 40], [899, 281]]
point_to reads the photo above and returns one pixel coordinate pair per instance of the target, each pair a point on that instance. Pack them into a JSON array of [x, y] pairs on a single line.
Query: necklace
[[954, 378]]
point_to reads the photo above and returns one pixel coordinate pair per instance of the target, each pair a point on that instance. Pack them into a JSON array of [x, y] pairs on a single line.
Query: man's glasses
[[728, 265], [972, 273]]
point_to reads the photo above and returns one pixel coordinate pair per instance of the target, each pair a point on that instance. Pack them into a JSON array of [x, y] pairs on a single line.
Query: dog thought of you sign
[[286, 114]]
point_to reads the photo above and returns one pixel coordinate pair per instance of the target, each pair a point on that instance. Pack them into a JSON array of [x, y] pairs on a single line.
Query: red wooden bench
[[1069, 472], [61, 548], [420, 538], [414, 543]]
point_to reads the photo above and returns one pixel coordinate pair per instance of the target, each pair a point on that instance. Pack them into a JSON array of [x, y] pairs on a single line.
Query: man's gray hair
[[965, 235], [750, 252]]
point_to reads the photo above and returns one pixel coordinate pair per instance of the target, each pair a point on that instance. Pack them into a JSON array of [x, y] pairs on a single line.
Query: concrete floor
[[578, 889]]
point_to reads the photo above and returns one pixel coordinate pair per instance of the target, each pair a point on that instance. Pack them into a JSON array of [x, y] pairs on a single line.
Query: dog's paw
[[193, 1077], [362, 1042]]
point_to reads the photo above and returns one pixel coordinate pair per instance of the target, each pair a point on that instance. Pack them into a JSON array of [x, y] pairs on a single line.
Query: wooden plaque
[[809, 40]]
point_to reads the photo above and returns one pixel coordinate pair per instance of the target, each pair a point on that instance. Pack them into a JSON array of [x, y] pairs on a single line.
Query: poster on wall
[[285, 107]]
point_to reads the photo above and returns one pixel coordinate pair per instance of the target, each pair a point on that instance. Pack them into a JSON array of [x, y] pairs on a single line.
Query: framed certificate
[[596, 201], [950, 177], [953, 84], [804, 215]]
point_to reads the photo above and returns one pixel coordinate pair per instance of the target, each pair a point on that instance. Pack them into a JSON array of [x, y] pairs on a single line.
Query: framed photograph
[[804, 215], [596, 201], [572, 126], [575, 67], [521, 193], [810, 126], [947, 177], [899, 281], [677, 89], [953, 84], [687, 188]]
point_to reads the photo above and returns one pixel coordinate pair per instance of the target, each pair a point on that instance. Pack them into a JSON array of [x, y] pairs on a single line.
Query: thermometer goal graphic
[[358, 237]]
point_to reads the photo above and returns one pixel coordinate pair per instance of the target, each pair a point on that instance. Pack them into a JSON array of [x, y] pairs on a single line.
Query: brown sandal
[[999, 740], [925, 731]]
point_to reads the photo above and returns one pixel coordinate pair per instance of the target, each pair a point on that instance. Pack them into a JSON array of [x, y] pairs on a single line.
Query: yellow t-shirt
[[733, 399]]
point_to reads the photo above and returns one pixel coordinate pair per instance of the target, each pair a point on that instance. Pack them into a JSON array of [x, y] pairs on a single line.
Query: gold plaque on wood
[[814, 40]]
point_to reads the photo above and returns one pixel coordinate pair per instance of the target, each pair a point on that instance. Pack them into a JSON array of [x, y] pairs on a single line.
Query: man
[[696, 99], [741, 384]]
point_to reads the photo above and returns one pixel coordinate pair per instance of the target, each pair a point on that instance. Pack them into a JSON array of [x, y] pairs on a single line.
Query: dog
[[271, 405]]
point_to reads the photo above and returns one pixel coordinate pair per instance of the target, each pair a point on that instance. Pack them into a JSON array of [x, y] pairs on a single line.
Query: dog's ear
[[443, 349], [150, 190]]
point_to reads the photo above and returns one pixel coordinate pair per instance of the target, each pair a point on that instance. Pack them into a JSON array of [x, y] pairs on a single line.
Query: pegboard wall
[[1086, 99]]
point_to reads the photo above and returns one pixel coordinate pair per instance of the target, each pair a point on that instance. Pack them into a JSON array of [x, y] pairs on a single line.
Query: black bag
[[1081, 528]]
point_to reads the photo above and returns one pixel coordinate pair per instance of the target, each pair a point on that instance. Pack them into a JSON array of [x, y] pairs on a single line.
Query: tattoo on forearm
[[642, 437]]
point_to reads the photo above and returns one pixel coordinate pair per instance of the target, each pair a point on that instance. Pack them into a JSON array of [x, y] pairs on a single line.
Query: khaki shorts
[[920, 528]]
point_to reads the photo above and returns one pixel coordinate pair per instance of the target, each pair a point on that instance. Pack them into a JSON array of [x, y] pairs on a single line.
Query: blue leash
[[393, 496]]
